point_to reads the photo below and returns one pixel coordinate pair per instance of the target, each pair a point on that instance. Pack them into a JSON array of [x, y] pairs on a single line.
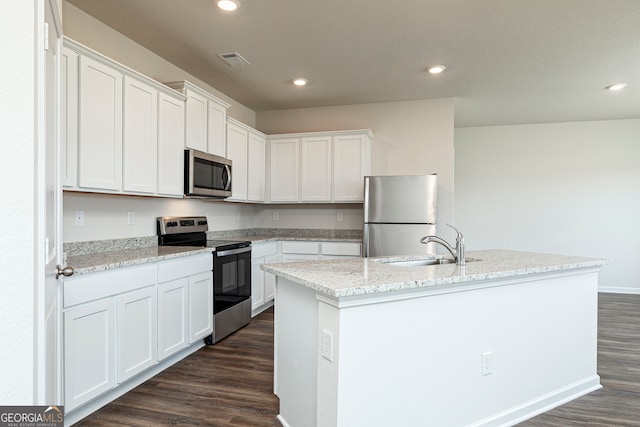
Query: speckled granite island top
[[101, 261], [361, 276]]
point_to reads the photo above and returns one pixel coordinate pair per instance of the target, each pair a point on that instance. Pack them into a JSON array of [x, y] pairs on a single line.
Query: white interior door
[[49, 371]]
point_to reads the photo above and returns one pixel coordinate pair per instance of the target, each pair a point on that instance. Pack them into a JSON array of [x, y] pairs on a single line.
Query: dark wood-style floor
[[231, 383]]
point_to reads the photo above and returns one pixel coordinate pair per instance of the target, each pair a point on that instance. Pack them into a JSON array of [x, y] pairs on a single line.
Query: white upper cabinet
[[284, 162], [315, 169], [205, 119], [69, 117], [140, 137], [351, 161], [256, 165], [217, 126], [100, 123], [122, 132], [330, 166], [237, 137], [246, 149], [170, 145], [195, 121]]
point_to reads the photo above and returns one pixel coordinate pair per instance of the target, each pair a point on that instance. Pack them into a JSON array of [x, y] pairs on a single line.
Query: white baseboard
[[544, 403], [612, 290], [282, 421]]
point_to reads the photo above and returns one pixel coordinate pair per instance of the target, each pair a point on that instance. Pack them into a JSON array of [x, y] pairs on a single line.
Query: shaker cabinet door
[[170, 145], [349, 168], [137, 332], [100, 126], [196, 121], [315, 167], [172, 317], [237, 152], [284, 169], [89, 351], [256, 174], [140, 137], [200, 306]]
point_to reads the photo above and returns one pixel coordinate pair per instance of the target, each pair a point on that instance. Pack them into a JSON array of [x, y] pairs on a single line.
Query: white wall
[[19, 195], [568, 188], [411, 138], [310, 216], [87, 30], [105, 216]]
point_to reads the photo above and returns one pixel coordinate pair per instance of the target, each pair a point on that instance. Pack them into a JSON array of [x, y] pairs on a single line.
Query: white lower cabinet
[[195, 274], [89, 351], [119, 325], [337, 250], [294, 251], [298, 251], [172, 317], [201, 305], [137, 332], [263, 284]]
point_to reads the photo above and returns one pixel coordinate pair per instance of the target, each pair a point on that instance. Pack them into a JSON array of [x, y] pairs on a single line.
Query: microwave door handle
[[228, 172]]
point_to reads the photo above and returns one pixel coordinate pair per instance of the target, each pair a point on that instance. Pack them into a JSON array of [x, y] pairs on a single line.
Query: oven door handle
[[233, 251]]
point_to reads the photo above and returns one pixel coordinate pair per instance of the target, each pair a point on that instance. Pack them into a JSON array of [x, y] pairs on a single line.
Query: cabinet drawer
[[93, 286], [337, 248], [263, 249], [183, 267], [300, 248]]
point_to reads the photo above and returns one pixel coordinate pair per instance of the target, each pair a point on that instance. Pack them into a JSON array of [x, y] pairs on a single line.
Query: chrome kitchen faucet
[[457, 252]]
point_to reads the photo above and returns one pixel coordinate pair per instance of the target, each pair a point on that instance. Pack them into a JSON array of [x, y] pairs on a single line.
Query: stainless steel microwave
[[206, 175]]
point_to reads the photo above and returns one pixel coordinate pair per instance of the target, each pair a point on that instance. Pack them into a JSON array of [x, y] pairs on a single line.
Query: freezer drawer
[[397, 239]]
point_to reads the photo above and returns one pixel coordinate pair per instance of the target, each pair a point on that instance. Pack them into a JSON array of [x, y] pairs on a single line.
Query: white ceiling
[[508, 61]]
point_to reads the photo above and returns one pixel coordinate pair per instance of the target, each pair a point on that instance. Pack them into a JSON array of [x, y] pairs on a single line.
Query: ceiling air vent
[[234, 59]]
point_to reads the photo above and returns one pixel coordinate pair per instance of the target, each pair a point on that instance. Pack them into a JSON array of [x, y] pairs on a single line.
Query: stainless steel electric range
[[231, 265]]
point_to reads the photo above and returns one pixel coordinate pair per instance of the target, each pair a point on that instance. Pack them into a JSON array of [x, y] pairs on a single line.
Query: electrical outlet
[[339, 216], [78, 218], [327, 345], [487, 363], [275, 216], [131, 217]]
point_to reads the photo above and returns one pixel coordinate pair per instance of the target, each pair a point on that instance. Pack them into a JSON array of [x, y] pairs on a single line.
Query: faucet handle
[[459, 236]]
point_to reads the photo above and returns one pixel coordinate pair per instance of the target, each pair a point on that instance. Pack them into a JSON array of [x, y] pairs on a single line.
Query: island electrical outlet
[[487, 363], [327, 345]]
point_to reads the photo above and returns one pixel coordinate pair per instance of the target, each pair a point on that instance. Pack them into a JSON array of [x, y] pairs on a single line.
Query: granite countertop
[[262, 235], [361, 276], [101, 255], [101, 261], [268, 238]]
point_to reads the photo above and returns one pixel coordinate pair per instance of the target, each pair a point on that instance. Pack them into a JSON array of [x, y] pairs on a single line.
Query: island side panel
[[419, 361], [295, 364]]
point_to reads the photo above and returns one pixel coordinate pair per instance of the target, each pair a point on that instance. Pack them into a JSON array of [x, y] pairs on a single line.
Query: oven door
[[231, 278]]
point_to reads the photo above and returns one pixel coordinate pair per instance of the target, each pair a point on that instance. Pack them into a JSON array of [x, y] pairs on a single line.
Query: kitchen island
[[365, 342]]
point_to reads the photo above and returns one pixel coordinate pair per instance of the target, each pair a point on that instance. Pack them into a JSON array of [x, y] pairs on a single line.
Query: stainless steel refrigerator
[[398, 212]]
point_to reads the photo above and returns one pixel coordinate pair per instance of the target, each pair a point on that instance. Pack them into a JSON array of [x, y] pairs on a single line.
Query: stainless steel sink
[[424, 262]]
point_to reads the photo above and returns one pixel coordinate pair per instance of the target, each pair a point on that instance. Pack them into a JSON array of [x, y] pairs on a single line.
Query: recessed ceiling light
[[300, 82], [228, 5], [436, 69], [617, 86]]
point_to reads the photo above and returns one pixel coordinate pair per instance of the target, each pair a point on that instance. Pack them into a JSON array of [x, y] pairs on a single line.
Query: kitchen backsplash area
[[90, 217]]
